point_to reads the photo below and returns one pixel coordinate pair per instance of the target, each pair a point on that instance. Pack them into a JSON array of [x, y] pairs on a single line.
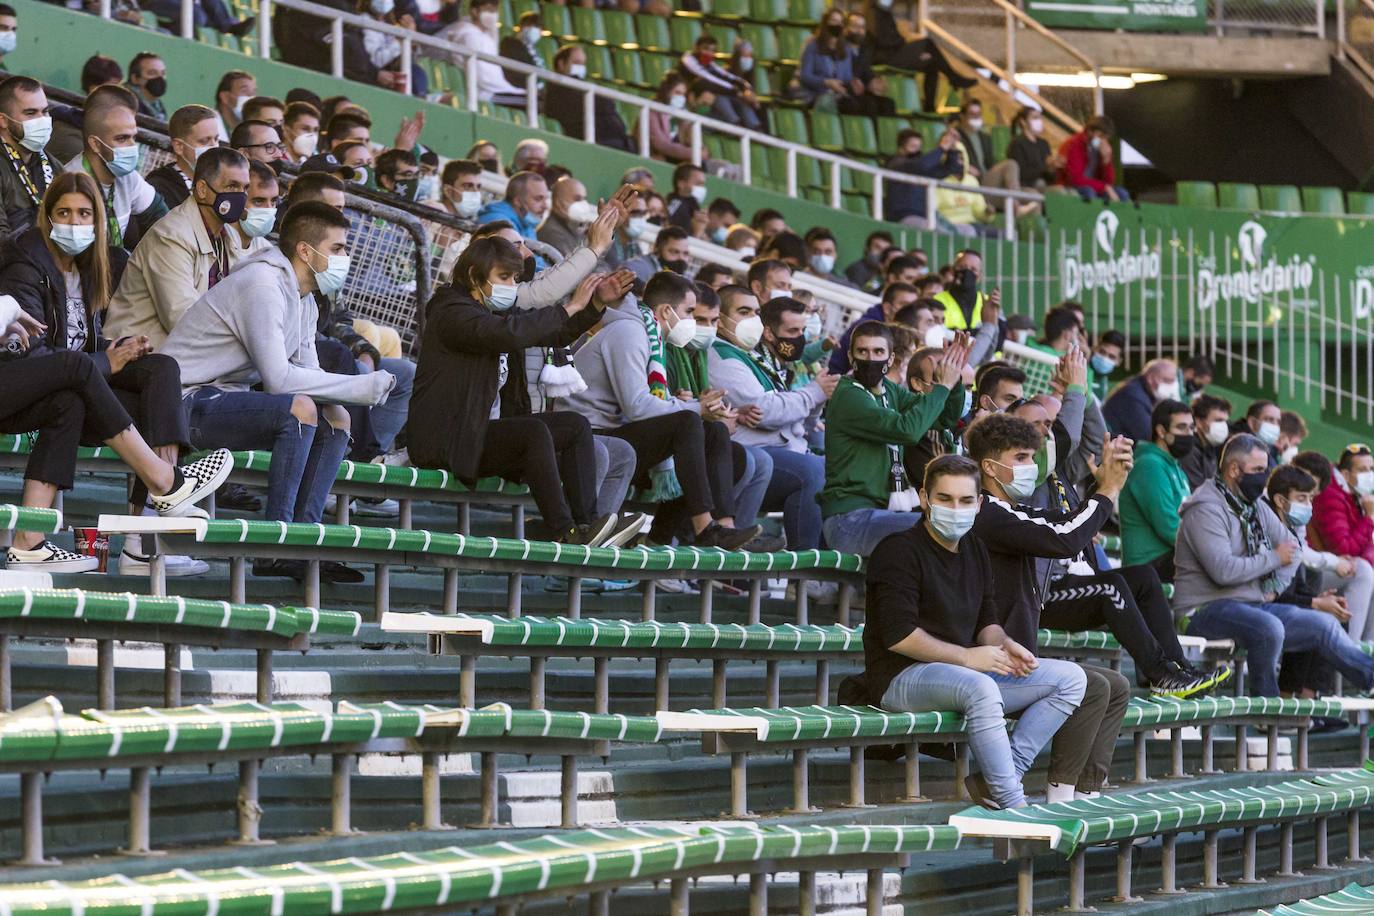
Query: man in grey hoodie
[[1234, 557], [257, 327]]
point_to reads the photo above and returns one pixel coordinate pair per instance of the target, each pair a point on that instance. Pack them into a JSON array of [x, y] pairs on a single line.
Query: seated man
[[193, 130], [570, 215], [27, 122], [524, 206], [110, 156], [253, 328], [933, 640], [1212, 419], [1234, 557], [670, 253], [681, 447], [867, 422], [186, 253], [1128, 410], [1156, 488], [1262, 419], [753, 361]]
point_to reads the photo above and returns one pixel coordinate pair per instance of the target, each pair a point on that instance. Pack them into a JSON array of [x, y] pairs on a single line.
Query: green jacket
[[858, 431], [1150, 505]]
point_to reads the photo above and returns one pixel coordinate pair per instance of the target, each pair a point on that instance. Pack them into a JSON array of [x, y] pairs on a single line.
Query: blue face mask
[[1300, 513], [952, 524], [502, 297], [718, 235], [1102, 365], [124, 161]]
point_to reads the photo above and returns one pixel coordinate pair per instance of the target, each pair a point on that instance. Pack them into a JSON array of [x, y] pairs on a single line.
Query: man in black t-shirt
[[932, 640]]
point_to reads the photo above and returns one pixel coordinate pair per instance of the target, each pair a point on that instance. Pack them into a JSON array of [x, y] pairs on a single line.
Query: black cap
[[328, 162]]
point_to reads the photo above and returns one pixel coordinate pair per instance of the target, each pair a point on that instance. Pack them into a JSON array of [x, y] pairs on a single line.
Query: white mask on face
[[699, 194], [1218, 431], [257, 222], [1269, 433], [705, 335], [1288, 454], [488, 19], [577, 71], [37, 133], [747, 252], [749, 332], [779, 293], [239, 102], [1167, 391], [469, 202], [306, 144], [952, 524], [1022, 484], [531, 34], [582, 211], [1036, 124], [635, 226], [975, 124], [682, 333], [1364, 483], [677, 101], [8, 41]]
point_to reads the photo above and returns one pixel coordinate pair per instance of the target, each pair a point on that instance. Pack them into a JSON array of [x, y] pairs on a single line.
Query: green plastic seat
[[620, 28], [1284, 198], [790, 41], [1236, 196], [656, 67], [1359, 203], [931, 132], [557, 19], [768, 11], [826, 132], [725, 36], [1196, 194], [790, 124], [860, 137], [547, 48], [1323, 200], [805, 12], [888, 129], [811, 173], [767, 167], [906, 95], [858, 204], [763, 82], [599, 63], [856, 182], [519, 7], [587, 23], [730, 9], [652, 32], [1001, 139], [683, 32], [764, 40], [628, 67], [550, 125]]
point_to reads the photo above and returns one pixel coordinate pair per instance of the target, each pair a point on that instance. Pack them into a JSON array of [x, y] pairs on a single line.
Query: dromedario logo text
[[1251, 276], [1106, 267]]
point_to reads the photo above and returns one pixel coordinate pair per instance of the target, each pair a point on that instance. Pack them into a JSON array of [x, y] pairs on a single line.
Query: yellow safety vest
[[954, 315]]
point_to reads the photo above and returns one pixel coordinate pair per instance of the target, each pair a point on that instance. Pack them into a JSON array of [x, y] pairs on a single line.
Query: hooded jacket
[[1209, 555], [614, 363], [785, 411], [458, 377], [254, 327]]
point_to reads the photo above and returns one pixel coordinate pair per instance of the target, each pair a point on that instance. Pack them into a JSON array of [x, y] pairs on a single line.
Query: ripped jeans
[[305, 459]]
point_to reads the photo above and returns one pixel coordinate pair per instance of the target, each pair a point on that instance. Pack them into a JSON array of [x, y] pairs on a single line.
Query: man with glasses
[[259, 141]]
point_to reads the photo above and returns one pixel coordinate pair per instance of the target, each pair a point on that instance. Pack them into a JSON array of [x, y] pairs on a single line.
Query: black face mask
[[490, 165], [789, 348], [834, 29], [528, 273], [965, 279], [869, 372], [407, 189], [677, 267], [1251, 486], [156, 87], [1182, 445]]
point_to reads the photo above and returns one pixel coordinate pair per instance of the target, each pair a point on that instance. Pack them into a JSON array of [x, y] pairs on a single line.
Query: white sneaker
[[675, 586], [199, 480], [399, 458], [380, 508], [49, 558], [131, 564], [331, 506], [819, 592]]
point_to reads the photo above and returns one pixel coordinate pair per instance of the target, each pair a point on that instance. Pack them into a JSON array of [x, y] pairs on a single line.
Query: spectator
[[689, 193], [357, 156], [721, 215], [826, 77], [714, 276], [918, 317], [741, 64], [258, 140], [868, 88], [770, 279], [351, 126], [110, 156], [867, 423], [896, 296], [640, 177], [253, 328], [1088, 167], [629, 238], [930, 286], [906, 202], [933, 640], [485, 154], [523, 45], [383, 51], [821, 254], [1343, 514], [28, 127], [1262, 419], [301, 131], [981, 159], [767, 222], [1035, 161], [787, 247], [658, 425], [471, 390], [531, 155], [235, 88], [753, 361], [999, 387], [1211, 417], [1107, 356], [866, 272], [656, 207], [193, 130], [965, 305], [1157, 488], [398, 174], [1063, 332], [735, 102], [569, 216], [566, 104], [920, 378], [888, 47], [670, 254], [1234, 557], [478, 33], [260, 213], [9, 32], [185, 254], [301, 94], [1130, 406], [148, 81], [1198, 372], [743, 241], [267, 109], [461, 191], [525, 204], [1292, 432]]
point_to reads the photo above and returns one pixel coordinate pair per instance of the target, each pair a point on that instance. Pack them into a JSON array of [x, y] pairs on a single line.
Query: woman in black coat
[[471, 402]]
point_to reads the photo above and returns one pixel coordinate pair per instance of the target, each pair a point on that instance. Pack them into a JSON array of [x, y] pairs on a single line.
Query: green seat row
[[1353, 899], [22, 518], [1278, 198]]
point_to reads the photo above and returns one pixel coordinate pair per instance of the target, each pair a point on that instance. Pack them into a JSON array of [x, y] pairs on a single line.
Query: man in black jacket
[[523, 46], [304, 41], [566, 104]]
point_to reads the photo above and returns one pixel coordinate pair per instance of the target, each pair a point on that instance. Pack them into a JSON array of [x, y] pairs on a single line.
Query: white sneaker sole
[[56, 567], [173, 571], [620, 539], [187, 507]]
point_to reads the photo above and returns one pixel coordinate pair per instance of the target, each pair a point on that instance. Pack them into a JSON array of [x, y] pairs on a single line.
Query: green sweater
[[858, 430], [1150, 504]]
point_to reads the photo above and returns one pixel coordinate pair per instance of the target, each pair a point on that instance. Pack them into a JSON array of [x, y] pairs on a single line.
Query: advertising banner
[[1129, 15]]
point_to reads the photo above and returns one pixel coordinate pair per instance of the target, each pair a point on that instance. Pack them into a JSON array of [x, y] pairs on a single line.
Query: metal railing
[[831, 164], [1274, 17], [1355, 35]]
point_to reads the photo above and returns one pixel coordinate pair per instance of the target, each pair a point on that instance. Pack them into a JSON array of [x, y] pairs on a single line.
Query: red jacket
[[1339, 525], [1074, 173]]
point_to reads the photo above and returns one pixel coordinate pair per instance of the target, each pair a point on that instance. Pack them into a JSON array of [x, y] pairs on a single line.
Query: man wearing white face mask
[[460, 188], [478, 32], [9, 31], [235, 88], [1212, 417], [193, 129], [689, 194], [1128, 410], [110, 156], [25, 128], [257, 327], [570, 215], [300, 131], [565, 104]]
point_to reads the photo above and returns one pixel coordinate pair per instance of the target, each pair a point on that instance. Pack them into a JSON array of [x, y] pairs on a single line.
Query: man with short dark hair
[[670, 253], [1212, 420], [689, 193], [998, 387], [349, 125], [866, 272], [523, 45], [110, 156], [769, 278], [25, 129], [267, 109], [193, 129], [906, 202], [235, 88], [460, 188], [1157, 488], [1262, 419], [1198, 372], [258, 140], [896, 296], [398, 173], [300, 131], [821, 254], [1107, 355], [254, 329], [525, 205], [148, 81], [565, 104]]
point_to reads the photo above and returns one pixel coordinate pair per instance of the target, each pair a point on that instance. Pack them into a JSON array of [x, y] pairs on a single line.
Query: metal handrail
[[1344, 49], [591, 91], [1016, 14]]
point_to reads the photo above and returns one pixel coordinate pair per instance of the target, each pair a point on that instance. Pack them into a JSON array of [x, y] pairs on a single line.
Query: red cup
[[93, 543]]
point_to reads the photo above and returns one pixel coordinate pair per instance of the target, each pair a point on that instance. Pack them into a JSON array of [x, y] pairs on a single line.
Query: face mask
[[703, 338], [1251, 486], [1268, 433], [1102, 365], [1288, 454], [682, 333], [968, 402], [407, 189], [935, 336], [678, 101], [306, 144], [488, 19], [469, 202], [635, 226], [749, 331], [789, 348], [258, 221], [577, 71], [428, 188], [1021, 336], [123, 161], [532, 34], [869, 372], [747, 252], [156, 87], [965, 278], [779, 293], [975, 124], [1036, 125], [1218, 432], [1300, 513], [677, 267], [1022, 484], [383, 7], [1364, 483], [718, 235], [1182, 445], [37, 132], [8, 41], [239, 102], [502, 296], [699, 194], [822, 263], [1168, 391], [813, 326], [952, 524], [72, 239], [746, 64], [229, 205], [331, 279], [582, 211], [885, 4]]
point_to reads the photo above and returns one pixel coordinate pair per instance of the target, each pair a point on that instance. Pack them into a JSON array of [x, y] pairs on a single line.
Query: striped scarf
[[1256, 541], [657, 369]]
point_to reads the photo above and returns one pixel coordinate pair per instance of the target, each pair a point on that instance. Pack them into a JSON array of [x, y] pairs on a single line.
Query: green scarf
[[687, 369], [663, 483], [1256, 541]]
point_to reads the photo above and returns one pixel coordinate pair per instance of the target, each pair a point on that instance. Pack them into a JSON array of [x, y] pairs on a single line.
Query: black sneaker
[[235, 496], [334, 571], [626, 529], [766, 543], [198, 480], [1180, 684], [279, 569], [240, 29], [714, 535]]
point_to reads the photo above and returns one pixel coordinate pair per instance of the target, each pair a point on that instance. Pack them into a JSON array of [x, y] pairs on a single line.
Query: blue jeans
[[615, 469], [751, 486], [860, 531], [797, 478], [305, 459], [1048, 696], [1266, 631], [388, 418], [1089, 194]]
